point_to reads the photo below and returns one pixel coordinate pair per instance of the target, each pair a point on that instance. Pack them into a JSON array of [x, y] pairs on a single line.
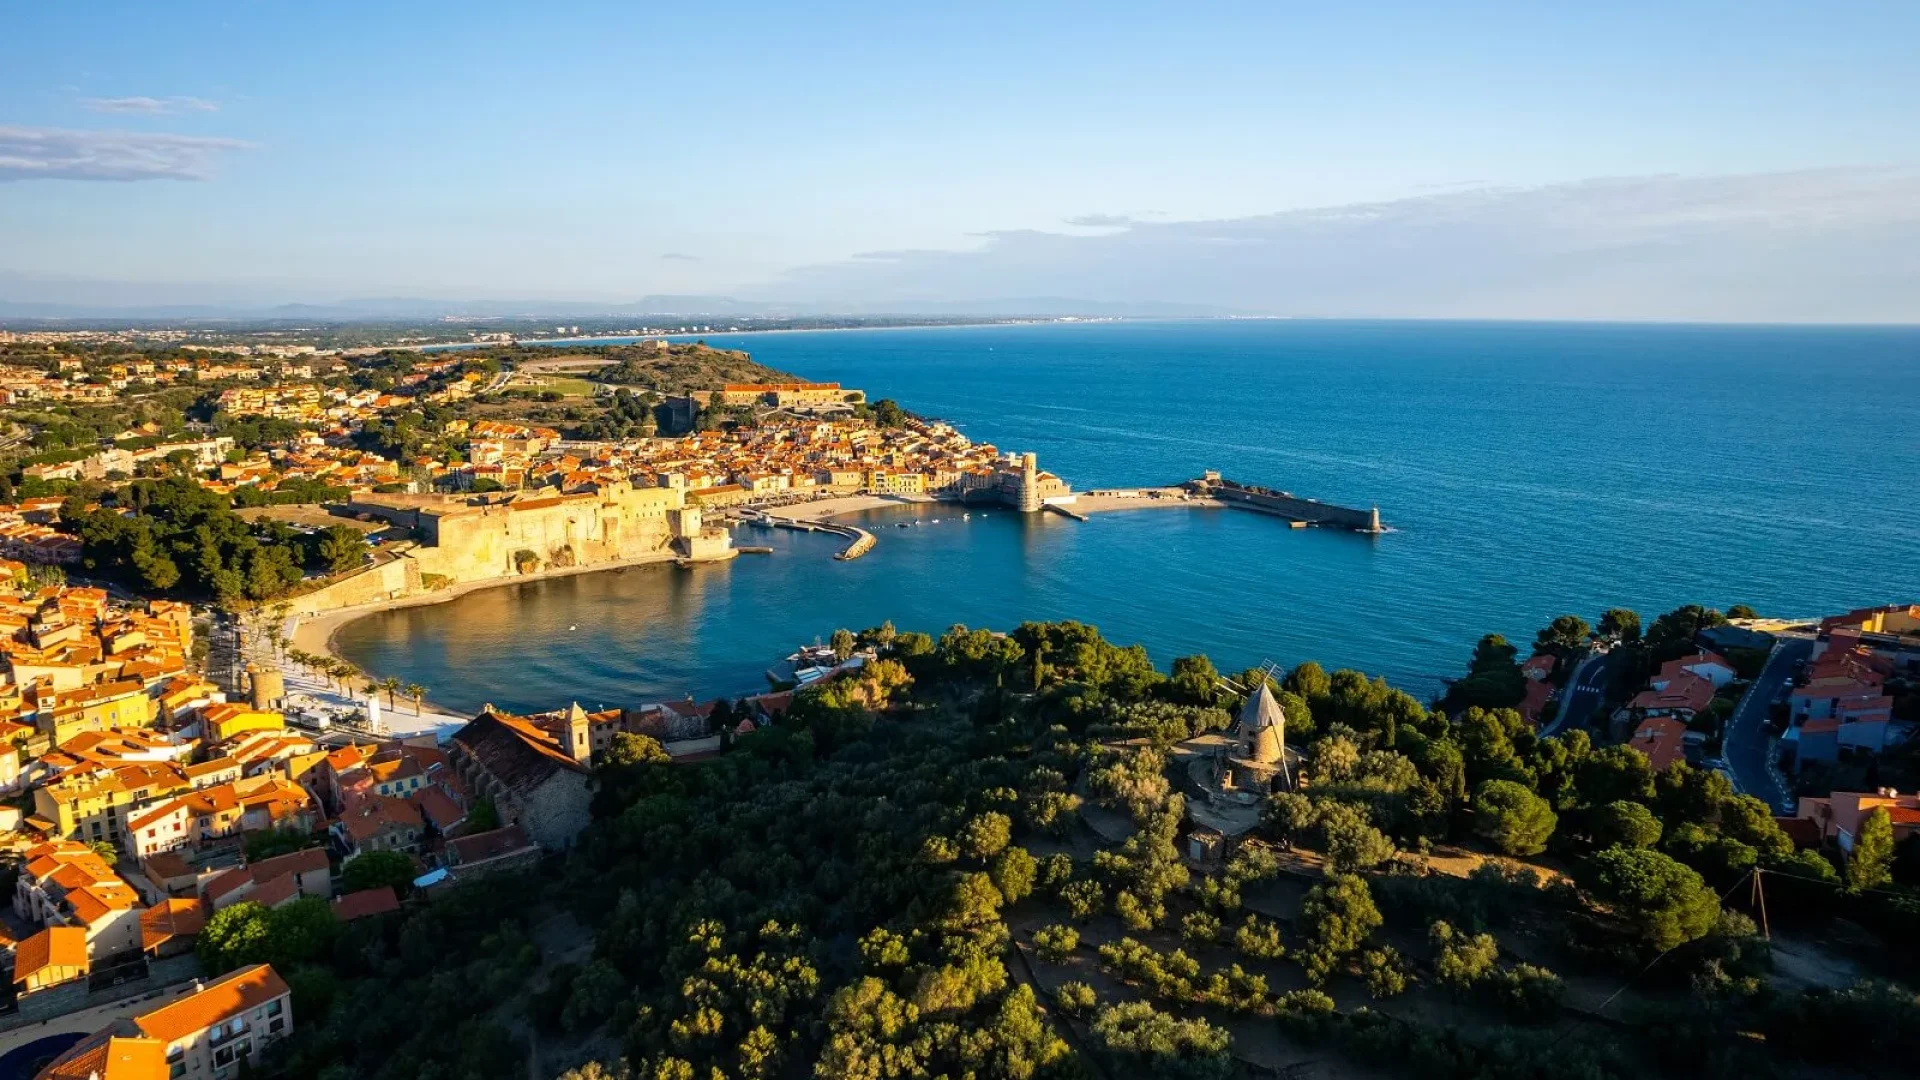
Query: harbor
[[1208, 491]]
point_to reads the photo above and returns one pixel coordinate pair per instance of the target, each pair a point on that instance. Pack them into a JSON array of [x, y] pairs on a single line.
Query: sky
[[1741, 161]]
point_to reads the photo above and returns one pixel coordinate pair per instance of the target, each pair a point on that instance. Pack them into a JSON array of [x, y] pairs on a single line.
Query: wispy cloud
[[1099, 221], [63, 154], [675, 256], [1834, 244], [150, 106]]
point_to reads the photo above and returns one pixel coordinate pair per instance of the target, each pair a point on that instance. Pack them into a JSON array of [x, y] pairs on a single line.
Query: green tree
[[1665, 902], [1164, 1045], [1350, 841], [1512, 818], [842, 643], [1870, 863], [985, 835], [1625, 824], [1563, 635], [339, 548], [1013, 873], [1194, 681], [1620, 624], [372, 869], [1742, 611], [295, 933]]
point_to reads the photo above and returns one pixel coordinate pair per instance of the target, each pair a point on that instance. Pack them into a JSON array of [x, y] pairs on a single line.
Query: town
[[210, 810]]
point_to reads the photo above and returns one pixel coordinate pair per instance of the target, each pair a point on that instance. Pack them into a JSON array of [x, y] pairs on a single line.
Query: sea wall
[[393, 579], [1294, 508]]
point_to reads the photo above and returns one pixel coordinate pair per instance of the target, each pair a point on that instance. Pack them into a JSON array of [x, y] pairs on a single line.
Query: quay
[[860, 540], [1299, 511]]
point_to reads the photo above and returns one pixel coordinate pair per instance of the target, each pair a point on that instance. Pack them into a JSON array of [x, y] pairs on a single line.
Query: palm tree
[[391, 684], [418, 693], [341, 672]]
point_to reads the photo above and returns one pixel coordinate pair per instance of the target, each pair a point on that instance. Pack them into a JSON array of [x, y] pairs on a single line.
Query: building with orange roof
[[210, 1032], [170, 927], [218, 815], [90, 801], [229, 719], [109, 1056], [1839, 814], [1684, 696], [53, 956], [370, 822], [1662, 740], [67, 884]]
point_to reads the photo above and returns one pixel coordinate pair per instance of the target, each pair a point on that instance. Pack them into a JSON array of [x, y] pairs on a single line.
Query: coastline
[[315, 633]]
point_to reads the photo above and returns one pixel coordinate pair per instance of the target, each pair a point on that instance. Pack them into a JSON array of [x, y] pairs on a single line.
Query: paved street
[[1747, 747], [1584, 693]]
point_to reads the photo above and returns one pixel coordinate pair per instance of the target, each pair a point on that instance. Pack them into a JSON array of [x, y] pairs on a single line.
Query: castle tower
[[579, 744], [1029, 483]]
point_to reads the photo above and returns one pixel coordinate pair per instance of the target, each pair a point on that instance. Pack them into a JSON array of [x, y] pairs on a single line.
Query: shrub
[[1056, 943], [1385, 974], [1200, 928], [1084, 899], [1172, 1047], [1462, 960], [1259, 939], [1528, 994], [1077, 998]]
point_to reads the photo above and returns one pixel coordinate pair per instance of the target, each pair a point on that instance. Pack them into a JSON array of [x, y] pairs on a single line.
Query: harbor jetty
[[1300, 511], [860, 541]]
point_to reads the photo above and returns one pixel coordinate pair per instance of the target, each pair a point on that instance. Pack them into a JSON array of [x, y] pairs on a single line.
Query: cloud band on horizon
[[1828, 245]]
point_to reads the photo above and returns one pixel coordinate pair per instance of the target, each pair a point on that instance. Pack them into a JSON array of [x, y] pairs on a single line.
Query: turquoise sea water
[[1527, 470]]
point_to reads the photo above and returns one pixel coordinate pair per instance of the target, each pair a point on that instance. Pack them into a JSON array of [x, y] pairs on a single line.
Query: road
[[1585, 691], [1748, 747]]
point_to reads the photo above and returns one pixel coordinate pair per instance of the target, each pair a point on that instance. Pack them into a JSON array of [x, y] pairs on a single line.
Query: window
[[273, 1007]]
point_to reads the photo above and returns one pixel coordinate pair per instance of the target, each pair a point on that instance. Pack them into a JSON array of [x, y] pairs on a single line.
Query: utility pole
[[1760, 902]]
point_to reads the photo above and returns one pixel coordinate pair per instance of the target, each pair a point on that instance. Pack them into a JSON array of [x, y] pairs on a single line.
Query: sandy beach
[[846, 504], [1096, 502]]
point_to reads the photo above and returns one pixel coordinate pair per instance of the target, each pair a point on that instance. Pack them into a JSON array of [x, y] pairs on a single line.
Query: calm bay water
[[1527, 470]]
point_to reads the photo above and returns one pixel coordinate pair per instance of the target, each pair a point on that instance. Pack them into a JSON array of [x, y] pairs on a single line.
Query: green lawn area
[[569, 387]]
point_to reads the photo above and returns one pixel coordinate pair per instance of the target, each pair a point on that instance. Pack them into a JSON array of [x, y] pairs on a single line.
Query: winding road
[[1585, 691], [1748, 748]]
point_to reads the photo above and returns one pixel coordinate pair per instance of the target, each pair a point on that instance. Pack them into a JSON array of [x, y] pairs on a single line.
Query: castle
[[462, 541]]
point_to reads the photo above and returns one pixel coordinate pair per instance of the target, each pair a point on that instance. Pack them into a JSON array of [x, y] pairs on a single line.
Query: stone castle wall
[[621, 524], [465, 544]]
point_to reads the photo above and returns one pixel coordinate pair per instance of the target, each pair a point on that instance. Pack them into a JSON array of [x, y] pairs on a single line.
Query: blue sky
[[604, 151]]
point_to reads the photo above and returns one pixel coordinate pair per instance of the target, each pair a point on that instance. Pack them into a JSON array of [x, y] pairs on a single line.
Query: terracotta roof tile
[[56, 946], [242, 991], [366, 902]]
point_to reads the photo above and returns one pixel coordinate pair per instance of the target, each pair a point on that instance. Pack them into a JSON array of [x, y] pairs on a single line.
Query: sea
[[1525, 470]]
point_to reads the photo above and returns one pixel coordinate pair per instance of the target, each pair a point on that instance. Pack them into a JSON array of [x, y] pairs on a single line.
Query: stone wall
[[75, 996], [391, 580]]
